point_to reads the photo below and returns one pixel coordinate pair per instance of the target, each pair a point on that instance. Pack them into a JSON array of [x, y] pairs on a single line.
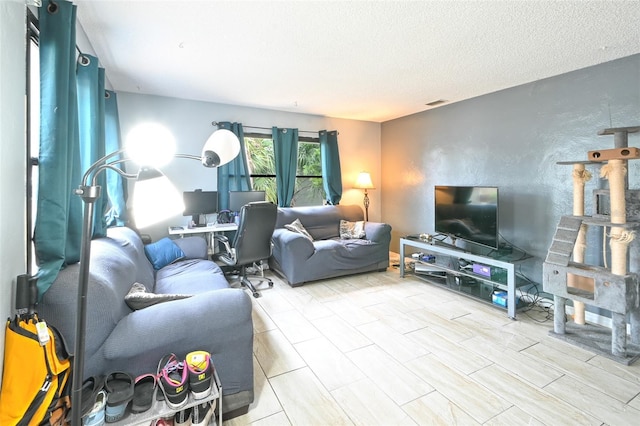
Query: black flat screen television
[[237, 199], [197, 203], [468, 212]]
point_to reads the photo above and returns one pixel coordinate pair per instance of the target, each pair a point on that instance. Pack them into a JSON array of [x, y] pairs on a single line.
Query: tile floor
[[377, 349]]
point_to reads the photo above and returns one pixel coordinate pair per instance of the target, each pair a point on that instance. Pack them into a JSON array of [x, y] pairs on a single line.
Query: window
[[260, 158]]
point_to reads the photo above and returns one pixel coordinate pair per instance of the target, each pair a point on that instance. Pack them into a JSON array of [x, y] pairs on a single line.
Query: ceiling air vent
[[436, 102]]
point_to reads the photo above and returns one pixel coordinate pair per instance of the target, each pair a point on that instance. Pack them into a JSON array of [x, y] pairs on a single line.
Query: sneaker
[[182, 418], [200, 369], [201, 414], [174, 381]]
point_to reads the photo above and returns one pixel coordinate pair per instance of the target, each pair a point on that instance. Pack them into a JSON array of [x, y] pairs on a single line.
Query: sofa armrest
[[378, 232], [193, 247], [286, 242], [218, 322]]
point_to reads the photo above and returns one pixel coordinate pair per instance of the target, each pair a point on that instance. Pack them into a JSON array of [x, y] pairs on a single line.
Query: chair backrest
[[255, 228]]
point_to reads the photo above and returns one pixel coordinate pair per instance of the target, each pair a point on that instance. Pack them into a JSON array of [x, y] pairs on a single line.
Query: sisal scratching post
[[580, 176], [619, 240]]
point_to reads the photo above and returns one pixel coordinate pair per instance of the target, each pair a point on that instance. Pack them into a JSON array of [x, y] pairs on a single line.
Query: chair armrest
[[378, 232], [225, 241]]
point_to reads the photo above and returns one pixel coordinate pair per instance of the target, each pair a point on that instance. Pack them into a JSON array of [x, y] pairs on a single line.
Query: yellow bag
[[35, 381]]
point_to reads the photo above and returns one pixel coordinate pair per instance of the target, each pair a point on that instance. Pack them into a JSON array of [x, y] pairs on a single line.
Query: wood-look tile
[[402, 347], [278, 419], [453, 354], [445, 327], [458, 388], [265, 403], [435, 409], [389, 315], [275, 354], [366, 404], [600, 405], [261, 320], [295, 326], [342, 376], [536, 402], [513, 361], [332, 367], [343, 335], [396, 380], [306, 401], [501, 336], [349, 312], [514, 416], [619, 388]]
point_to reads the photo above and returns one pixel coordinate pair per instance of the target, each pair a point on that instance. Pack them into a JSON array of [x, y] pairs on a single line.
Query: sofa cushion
[[163, 252], [350, 230], [296, 226], [196, 275]]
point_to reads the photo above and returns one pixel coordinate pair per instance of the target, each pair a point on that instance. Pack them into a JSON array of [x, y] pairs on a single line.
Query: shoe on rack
[[200, 367], [201, 414], [183, 418], [174, 381], [96, 414]]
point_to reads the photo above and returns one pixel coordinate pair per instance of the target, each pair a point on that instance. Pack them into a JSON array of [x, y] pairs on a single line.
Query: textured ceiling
[[366, 60]]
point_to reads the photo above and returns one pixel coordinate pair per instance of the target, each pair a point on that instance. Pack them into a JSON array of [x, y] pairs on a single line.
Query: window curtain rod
[[215, 123]]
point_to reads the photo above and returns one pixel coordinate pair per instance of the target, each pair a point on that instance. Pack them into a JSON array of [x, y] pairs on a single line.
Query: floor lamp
[[152, 202], [364, 182]]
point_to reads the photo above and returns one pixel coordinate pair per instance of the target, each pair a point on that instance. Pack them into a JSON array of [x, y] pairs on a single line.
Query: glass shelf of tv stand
[[447, 250]]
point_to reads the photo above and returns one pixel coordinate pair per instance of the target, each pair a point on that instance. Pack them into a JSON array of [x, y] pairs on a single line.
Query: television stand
[[448, 258]]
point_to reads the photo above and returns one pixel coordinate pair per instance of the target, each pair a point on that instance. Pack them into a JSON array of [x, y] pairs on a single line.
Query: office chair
[[252, 242]]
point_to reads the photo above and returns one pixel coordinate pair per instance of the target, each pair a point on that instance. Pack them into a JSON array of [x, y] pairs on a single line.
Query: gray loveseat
[[300, 260], [216, 318]]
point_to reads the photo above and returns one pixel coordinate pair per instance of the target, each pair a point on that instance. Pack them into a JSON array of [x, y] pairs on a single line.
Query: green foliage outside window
[[260, 158]]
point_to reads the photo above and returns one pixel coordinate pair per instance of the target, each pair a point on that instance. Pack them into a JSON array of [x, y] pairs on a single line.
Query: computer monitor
[[198, 203], [237, 199]]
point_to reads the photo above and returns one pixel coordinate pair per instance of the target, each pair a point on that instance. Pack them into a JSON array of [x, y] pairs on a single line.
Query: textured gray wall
[[511, 139]]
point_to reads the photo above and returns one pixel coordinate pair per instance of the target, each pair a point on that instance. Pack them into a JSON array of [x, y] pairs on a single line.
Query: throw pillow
[[163, 252], [296, 226], [139, 298], [351, 230]]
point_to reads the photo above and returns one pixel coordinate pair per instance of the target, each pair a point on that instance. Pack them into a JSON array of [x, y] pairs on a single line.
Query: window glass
[[260, 158]]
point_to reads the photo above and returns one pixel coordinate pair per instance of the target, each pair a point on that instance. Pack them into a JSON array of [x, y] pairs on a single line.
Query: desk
[[218, 227], [209, 230]]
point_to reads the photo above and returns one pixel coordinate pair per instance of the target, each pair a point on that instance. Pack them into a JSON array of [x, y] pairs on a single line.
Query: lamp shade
[[364, 181], [154, 198], [221, 147], [150, 144]]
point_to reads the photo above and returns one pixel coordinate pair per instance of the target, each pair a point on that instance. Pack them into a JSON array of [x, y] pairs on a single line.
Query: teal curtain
[[116, 215], [72, 137], [285, 149], [233, 176], [91, 106], [331, 172], [58, 226]]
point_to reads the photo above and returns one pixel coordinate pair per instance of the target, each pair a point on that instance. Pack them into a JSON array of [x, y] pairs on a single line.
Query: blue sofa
[[216, 318], [300, 260]]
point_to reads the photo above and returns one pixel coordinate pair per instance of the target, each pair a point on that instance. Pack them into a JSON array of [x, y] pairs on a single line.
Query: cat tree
[[567, 276]]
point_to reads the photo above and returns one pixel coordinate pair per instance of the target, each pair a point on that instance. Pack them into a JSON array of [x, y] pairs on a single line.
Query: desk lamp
[[364, 182], [154, 199]]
